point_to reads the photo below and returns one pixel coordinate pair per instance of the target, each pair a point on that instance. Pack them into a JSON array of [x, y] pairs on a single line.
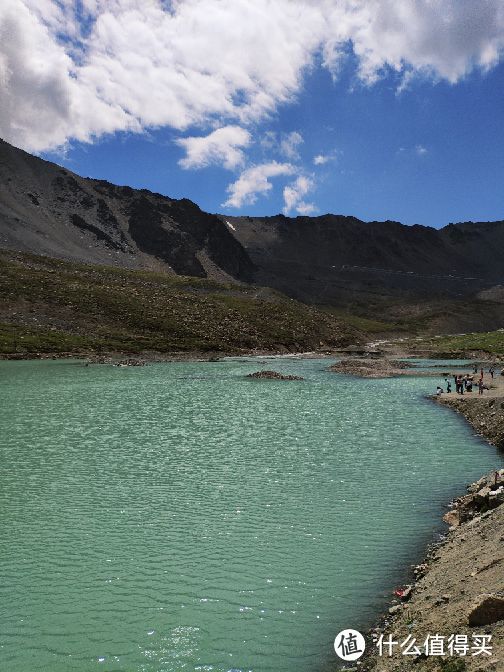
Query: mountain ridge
[[336, 260]]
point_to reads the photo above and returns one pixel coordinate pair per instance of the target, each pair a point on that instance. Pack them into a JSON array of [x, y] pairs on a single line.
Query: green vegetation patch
[[491, 342], [51, 306]]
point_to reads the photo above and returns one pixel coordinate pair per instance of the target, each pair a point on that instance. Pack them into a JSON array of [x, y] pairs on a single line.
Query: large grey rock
[[490, 609]]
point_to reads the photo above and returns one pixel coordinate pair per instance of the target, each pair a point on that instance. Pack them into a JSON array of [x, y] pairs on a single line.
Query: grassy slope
[[423, 318], [52, 306], [491, 342]]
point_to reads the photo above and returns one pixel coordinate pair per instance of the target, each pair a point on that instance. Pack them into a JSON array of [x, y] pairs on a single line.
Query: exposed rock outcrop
[[272, 375], [372, 368], [484, 495], [46, 209], [335, 259]]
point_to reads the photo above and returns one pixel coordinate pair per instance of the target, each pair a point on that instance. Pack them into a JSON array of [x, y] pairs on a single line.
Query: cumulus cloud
[[223, 147], [444, 39], [144, 65], [80, 69], [421, 150], [254, 181], [293, 196]]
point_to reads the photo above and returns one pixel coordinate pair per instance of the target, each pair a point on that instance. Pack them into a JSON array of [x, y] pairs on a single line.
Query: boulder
[[489, 609], [452, 518]]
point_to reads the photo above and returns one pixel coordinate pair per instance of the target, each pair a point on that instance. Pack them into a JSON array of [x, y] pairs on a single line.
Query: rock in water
[[272, 375]]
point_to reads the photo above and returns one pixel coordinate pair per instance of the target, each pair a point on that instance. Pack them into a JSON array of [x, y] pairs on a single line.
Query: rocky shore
[[485, 414], [459, 588]]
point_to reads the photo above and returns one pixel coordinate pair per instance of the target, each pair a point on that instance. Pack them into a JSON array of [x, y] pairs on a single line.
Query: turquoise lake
[[181, 517]]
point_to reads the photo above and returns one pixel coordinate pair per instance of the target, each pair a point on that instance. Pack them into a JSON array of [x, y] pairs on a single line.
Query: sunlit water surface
[[183, 517]]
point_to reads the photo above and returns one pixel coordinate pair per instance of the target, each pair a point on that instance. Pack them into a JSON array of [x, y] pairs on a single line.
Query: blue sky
[[380, 110]]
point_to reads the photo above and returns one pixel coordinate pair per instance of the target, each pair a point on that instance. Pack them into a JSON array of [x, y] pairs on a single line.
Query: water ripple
[[186, 518]]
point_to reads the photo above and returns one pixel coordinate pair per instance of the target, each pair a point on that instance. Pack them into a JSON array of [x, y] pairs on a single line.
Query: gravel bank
[[459, 588]]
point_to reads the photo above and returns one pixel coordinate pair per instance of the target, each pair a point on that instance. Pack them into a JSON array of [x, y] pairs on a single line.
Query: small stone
[[395, 609]]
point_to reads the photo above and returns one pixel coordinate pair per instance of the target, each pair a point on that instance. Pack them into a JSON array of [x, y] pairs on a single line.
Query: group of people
[[464, 383]]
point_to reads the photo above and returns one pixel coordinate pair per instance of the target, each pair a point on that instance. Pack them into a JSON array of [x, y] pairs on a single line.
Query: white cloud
[[293, 195], [269, 141], [222, 147], [289, 145], [322, 159], [191, 63], [306, 208], [254, 181], [421, 150], [284, 144], [440, 38], [143, 65]]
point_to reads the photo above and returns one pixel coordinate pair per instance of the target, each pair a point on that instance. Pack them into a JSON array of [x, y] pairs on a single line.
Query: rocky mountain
[[46, 209], [333, 260]]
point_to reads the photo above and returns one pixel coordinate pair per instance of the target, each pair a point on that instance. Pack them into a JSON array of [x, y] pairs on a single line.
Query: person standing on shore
[[480, 386], [491, 371]]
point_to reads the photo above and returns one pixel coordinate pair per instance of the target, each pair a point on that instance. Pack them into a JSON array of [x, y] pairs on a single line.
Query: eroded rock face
[[322, 259], [272, 375], [489, 610], [46, 209]]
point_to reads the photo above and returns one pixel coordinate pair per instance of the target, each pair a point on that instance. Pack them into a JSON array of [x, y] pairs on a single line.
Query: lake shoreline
[[454, 589], [158, 357]]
